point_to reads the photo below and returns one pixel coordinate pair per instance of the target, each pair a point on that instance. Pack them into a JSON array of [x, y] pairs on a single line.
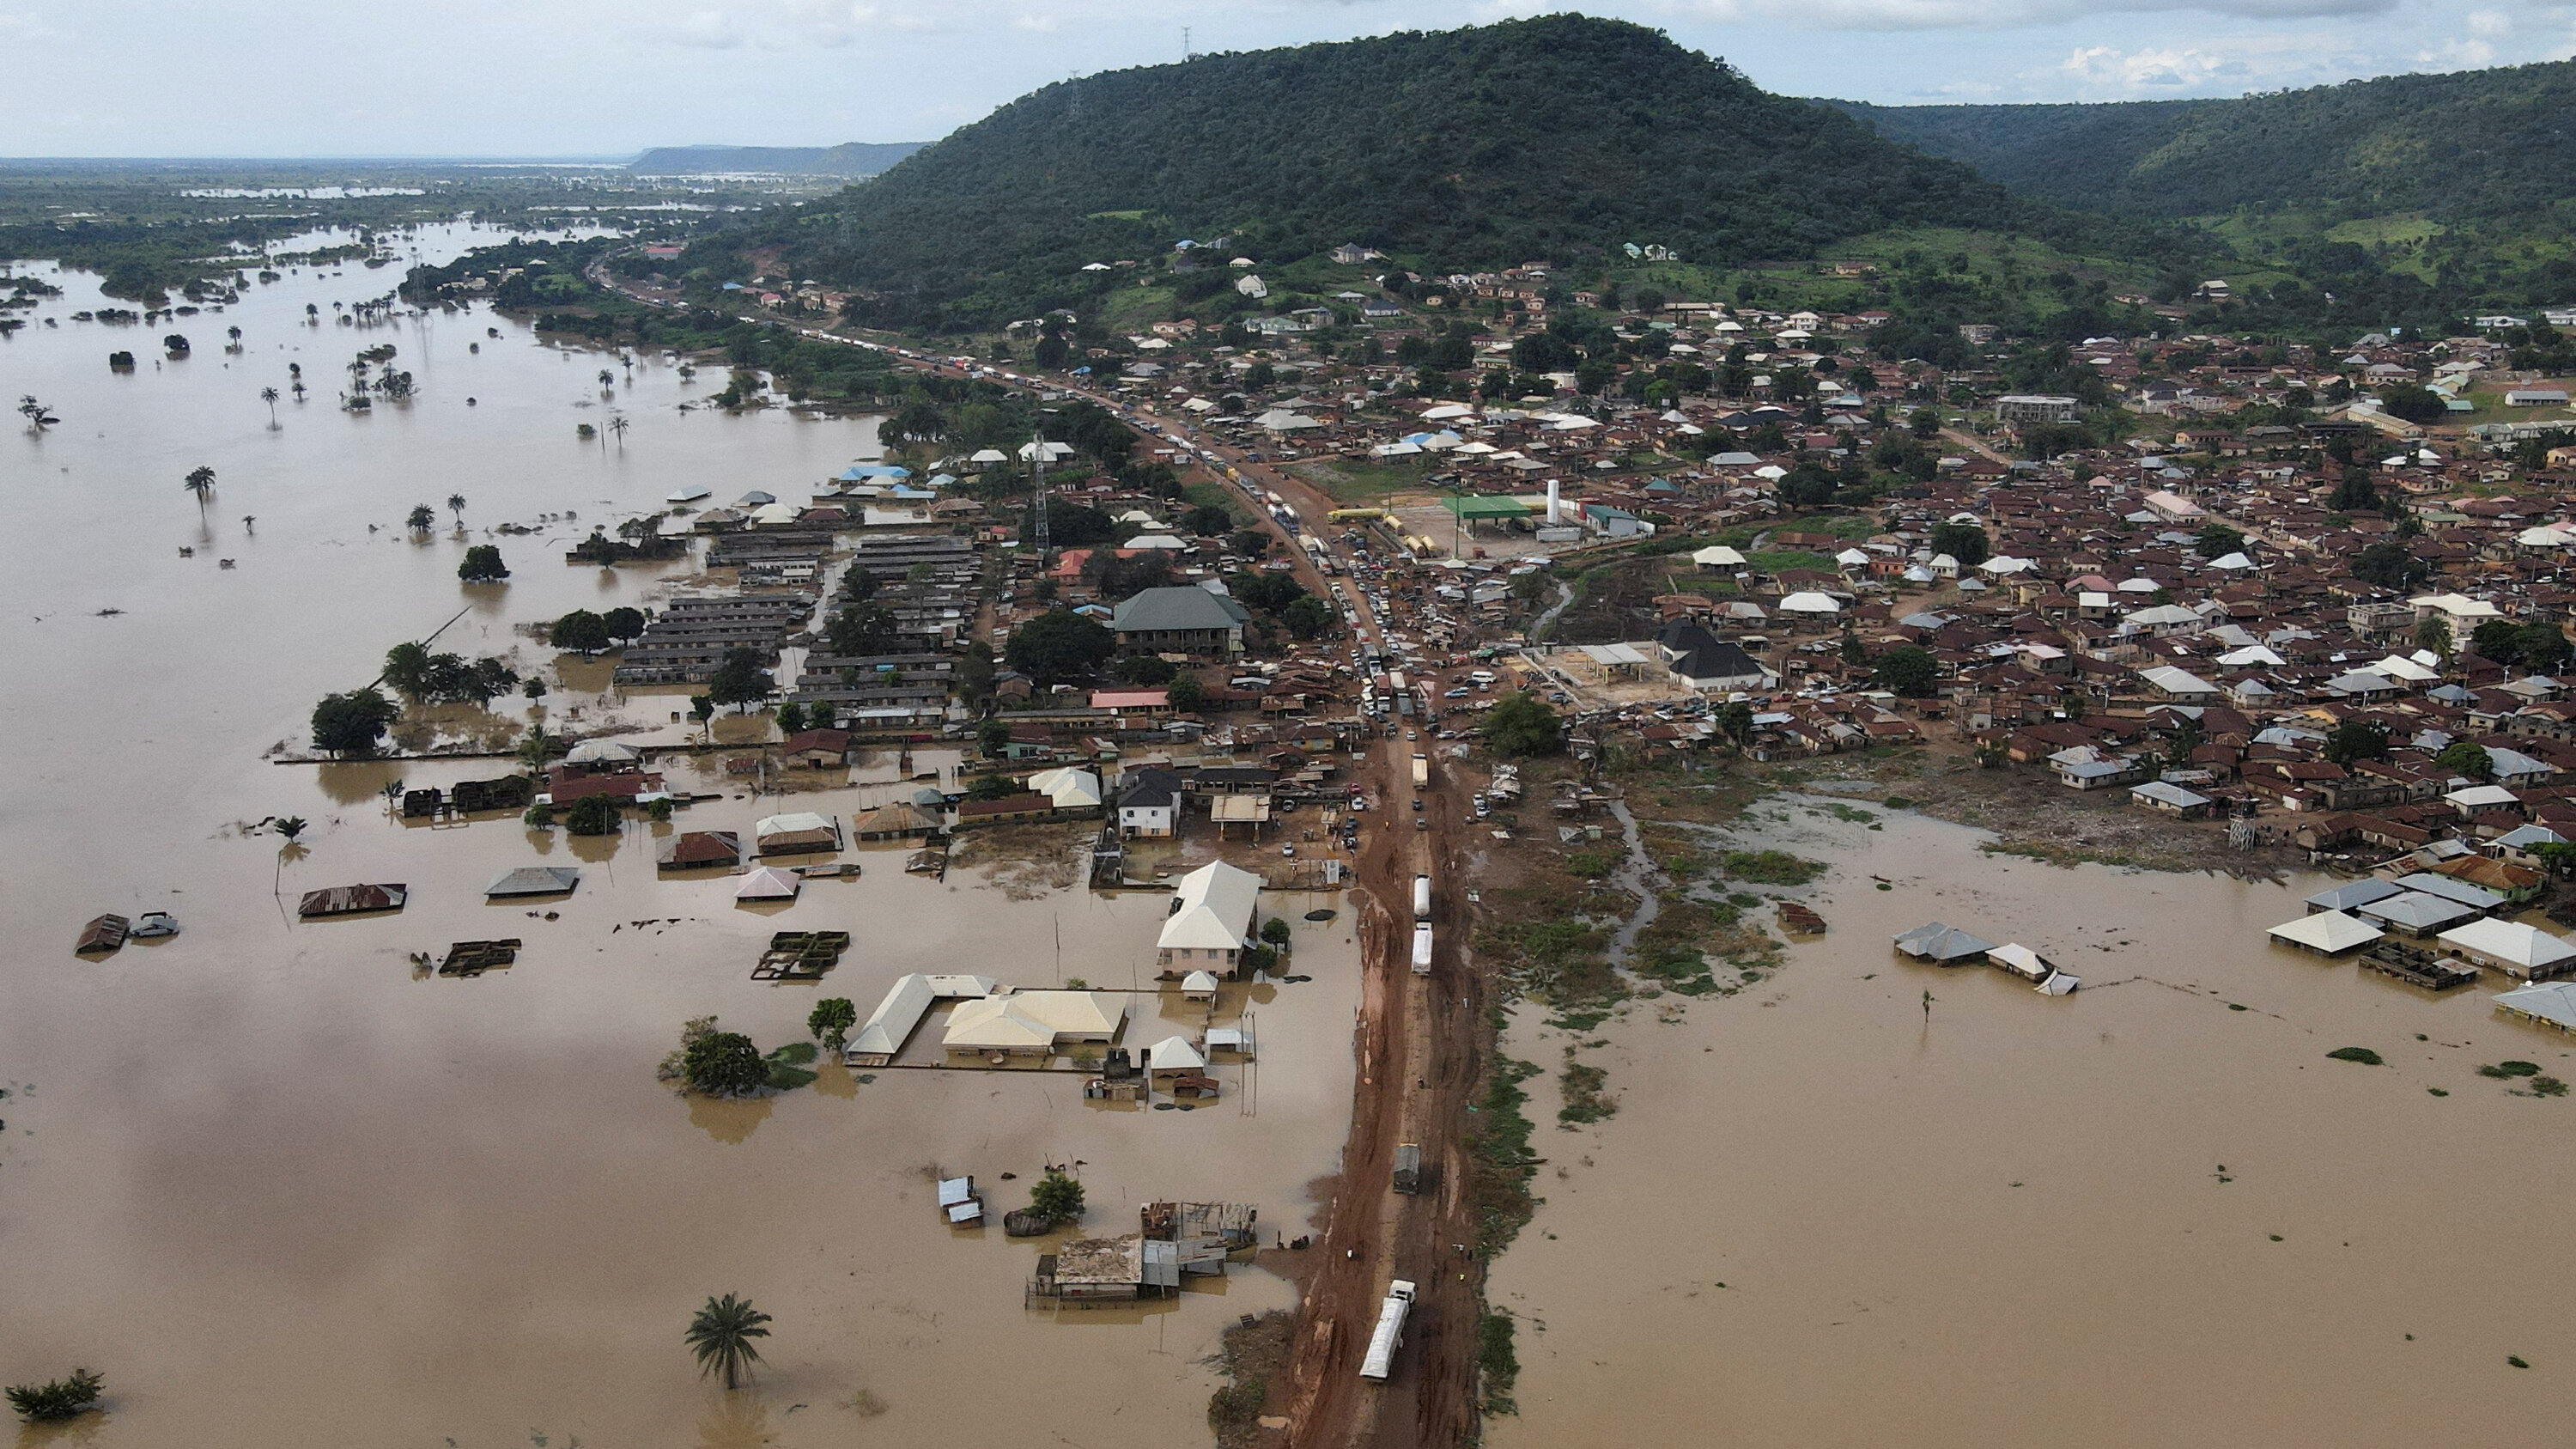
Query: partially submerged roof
[[2551, 1003], [350, 899], [2331, 932], [769, 883], [1939, 942], [533, 880], [1212, 909], [2525, 950], [2351, 897]]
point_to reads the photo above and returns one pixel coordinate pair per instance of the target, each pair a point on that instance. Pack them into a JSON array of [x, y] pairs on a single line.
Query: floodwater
[[2132, 1216], [281, 1190]]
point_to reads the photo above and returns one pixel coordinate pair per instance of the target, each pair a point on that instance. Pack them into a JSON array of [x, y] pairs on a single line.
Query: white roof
[[602, 752], [1718, 555], [1212, 910], [794, 822], [1808, 601], [769, 883], [2553, 1001], [2479, 796], [2458, 606], [1034, 1019], [1199, 983], [904, 1005], [2174, 680], [1174, 1054], [2525, 948], [2020, 960], [2332, 932], [1069, 788], [2406, 669]]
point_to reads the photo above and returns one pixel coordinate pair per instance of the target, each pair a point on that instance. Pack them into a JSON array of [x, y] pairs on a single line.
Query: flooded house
[[796, 831], [1030, 1025], [1213, 916], [702, 849]]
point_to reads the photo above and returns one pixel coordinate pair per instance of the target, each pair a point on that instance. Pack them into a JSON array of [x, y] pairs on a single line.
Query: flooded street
[[2135, 1216], [280, 1189]]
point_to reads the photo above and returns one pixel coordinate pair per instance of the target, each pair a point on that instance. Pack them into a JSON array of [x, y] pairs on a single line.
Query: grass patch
[[1592, 864], [2548, 1087], [1584, 1100], [1769, 867], [2363, 1055], [1217, 495], [1498, 1363], [1498, 1149], [1247, 1357], [2503, 1070], [784, 1078], [1360, 485], [795, 1054]]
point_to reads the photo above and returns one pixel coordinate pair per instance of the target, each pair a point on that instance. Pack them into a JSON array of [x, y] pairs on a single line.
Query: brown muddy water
[[283, 1192], [2133, 1216]]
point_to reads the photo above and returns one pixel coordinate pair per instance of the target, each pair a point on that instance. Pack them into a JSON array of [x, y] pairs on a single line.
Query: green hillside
[[850, 158], [1554, 138], [2488, 143]]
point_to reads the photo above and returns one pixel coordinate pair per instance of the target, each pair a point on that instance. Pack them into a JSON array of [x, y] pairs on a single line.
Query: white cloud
[[2008, 14]]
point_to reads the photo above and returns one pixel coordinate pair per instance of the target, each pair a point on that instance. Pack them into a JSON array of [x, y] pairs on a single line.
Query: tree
[[1147, 670], [2434, 635], [483, 565], [1906, 669], [288, 827], [1965, 542], [2413, 402], [624, 624], [1807, 486], [407, 667], [1268, 592], [268, 395], [1308, 618], [38, 416], [1735, 721], [1057, 1198], [721, 1063], [1185, 694], [1207, 520], [791, 718], [63, 1398], [200, 481], [581, 629], [1923, 423], [2389, 566], [722, 1332], [421, 517], [1276, 932], [861, 630], [740, 678], [831, 1020], [2355, 493], [1523, 724], [1059, 647], [352, 723], [535, 748], [2467, 757], [2357, 739], [2218, 541], [593, 815]]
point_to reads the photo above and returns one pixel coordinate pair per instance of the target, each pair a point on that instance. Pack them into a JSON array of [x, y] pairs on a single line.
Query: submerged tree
[[268, 395], [831, 1020], [352, 723], [1057, 1198], [721, 1338], [63, 1398], [200, 481], [483, 565]]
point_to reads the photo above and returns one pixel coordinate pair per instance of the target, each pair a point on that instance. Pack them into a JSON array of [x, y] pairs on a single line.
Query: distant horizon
[[905, 67]]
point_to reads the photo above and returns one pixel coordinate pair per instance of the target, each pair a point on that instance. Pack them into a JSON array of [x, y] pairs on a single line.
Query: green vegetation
[[592, 815], [1499, 1145], [721, 1335], [63, 1398], [1498, 1364], [2509, 1070], [716, 1063], [1468, 148], [483, 565], [1581, 1098], [831, 1020], [1522, 725], [2363, 1055], [1057, 1198], [352, 723], [1769, 867], [425, 678]]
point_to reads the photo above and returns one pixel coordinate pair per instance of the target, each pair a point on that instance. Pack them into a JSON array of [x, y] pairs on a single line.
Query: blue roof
[[859, 472]]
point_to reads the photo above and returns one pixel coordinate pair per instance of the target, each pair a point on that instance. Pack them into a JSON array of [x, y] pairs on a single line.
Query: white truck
[[1422, 898], [1421, 770], [1422, 949], [1390, 1331]]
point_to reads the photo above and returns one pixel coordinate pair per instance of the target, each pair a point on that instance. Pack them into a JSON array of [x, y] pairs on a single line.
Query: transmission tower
[[1038, 497]]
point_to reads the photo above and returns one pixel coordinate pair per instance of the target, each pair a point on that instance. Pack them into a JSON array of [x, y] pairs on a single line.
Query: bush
[[540, 817], [64, 1398], [2511, 1069], [1769, 867], [1056, 1197], [2363, 1055], [722, 1063], [592, 815], [483, 565]]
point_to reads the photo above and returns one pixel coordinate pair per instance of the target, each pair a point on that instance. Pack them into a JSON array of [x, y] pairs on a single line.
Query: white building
[[1212, 919]]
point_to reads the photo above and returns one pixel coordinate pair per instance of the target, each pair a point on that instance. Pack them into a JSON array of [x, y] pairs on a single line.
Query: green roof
[[1472, 506]]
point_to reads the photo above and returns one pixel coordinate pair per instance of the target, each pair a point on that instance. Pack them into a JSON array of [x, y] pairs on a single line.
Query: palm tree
[[617, 425], [456, 505], [607, 379], [534, 749], [201, 481], [268, 395], [36, 413], [721, 1338]]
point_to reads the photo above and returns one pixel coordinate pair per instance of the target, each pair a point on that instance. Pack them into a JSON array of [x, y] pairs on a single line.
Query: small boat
[[154, 925], [105, 933]]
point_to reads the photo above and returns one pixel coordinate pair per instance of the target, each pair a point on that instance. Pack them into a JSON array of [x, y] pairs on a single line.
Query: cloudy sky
[[603, 77]]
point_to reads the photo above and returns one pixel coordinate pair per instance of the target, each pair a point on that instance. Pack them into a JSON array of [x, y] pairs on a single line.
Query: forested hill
[[1536, 139], [2484, 143], [850, 158]]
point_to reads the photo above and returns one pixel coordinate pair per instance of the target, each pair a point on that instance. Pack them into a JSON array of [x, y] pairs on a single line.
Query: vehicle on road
[[1390, 1331]]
